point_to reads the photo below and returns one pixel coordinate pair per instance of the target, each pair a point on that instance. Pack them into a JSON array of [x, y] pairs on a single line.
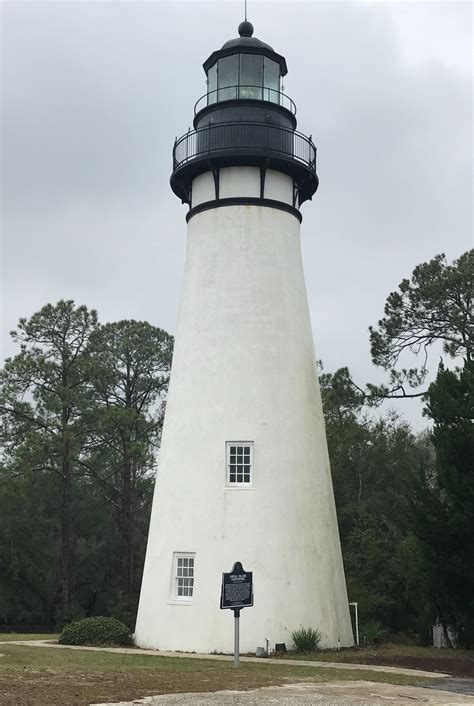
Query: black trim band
[[243, 201]]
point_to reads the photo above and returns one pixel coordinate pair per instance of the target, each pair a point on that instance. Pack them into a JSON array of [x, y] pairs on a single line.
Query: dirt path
[[335, 694]]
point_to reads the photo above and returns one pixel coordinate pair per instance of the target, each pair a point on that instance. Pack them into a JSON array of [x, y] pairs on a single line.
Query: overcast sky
[[94, 93]]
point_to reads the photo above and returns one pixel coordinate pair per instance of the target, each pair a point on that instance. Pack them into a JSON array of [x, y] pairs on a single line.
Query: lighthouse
[[243, 471]]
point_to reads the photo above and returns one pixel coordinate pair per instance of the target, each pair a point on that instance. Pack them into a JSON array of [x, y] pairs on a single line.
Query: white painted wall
[[239, 181], [242, 181], [279, 187], [203, 189], [244, 369]]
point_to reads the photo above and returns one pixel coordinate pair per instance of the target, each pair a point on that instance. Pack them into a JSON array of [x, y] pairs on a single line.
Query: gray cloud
[[95, 93]]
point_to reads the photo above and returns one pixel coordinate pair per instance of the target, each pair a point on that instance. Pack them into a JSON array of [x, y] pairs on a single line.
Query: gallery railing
[[261, 93], [244, 137]]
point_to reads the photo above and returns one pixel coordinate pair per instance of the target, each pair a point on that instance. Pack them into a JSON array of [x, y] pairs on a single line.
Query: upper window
[[244, 76], [228, 77], [183, 570], [251, 76], [239, 463]]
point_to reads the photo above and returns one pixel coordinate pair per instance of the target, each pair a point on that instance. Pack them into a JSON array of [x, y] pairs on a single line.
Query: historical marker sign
[[237, 593], [237, 588]]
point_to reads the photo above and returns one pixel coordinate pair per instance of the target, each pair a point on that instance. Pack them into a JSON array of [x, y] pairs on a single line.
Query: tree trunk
[[65, 526], [127, 529]]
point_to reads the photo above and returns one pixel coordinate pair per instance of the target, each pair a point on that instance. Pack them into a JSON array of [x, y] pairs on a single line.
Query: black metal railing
[[240, 137], [261, 93]]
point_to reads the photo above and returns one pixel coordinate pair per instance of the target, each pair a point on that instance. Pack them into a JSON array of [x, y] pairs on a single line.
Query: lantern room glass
[[228, 77], [251, 76], [212, 84], [247, 76], [271, 81]]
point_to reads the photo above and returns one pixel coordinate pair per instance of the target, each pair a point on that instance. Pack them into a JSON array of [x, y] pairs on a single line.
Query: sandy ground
[[332, 694]]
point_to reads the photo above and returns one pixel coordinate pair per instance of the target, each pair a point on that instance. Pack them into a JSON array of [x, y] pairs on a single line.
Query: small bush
[[306, 639], [372, 633], [96, 631]]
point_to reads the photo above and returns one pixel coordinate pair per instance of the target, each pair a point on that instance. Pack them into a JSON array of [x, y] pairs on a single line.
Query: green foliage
[[42, 400], [372, 633], [28, 549], [435, 305], [342, 400], [82, 407], [374, 467], [406, 504], [306, 639], [96, 631], [444, 501]]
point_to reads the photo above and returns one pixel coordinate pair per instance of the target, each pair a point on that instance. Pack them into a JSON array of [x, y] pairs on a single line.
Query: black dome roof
[[246, 39], [246, 43]]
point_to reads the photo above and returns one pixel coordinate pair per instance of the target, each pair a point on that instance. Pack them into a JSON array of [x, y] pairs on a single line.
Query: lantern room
[[244, 68]]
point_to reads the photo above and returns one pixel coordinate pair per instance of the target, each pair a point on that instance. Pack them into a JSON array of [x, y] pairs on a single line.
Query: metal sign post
[[237, 593], [236, 637]]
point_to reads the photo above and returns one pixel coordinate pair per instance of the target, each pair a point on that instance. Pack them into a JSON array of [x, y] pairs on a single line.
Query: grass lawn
[[53, 677], [456, 662], [13, 636]]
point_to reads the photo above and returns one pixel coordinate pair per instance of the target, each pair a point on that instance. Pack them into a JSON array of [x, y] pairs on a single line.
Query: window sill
[[177, 601], [235, 486]]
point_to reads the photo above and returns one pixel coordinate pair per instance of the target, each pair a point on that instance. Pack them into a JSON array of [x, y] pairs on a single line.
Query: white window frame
[[174, 586], [241, 485]]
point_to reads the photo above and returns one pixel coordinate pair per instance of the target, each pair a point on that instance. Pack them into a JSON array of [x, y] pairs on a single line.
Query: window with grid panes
[[184, 577], [239, 463]]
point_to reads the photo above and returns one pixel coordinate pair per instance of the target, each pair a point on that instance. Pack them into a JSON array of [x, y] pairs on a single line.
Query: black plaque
[[237, 588]]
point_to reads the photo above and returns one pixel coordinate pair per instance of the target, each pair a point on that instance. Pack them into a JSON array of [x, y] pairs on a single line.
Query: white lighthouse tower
[[244, 471]]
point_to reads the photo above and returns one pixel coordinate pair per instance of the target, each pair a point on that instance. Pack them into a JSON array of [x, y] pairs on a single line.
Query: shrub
[[372, 632], [306, 639], [96, 631]]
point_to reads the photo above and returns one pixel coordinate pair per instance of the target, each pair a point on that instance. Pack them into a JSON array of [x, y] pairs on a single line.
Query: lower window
[[183, 575]]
